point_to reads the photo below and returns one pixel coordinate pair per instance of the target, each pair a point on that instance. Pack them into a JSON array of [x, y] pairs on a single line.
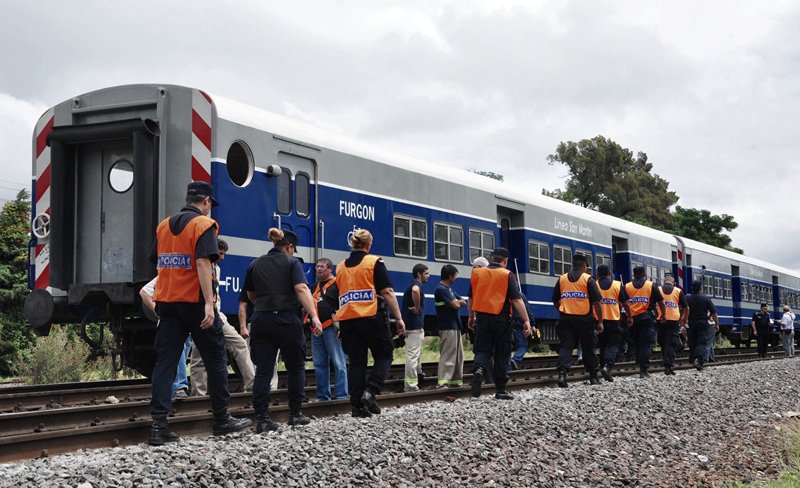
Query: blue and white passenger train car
[[110, 164]]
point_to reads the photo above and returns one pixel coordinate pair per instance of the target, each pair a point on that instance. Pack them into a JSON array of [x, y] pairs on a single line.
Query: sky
[[709, 90]]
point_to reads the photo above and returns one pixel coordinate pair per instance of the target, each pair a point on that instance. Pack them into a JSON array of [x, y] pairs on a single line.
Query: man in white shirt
[[787, 331]]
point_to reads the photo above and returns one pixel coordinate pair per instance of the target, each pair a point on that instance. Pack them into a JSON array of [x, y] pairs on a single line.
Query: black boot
[[360, 412], [668, 370], [606, 372], [562, 378], [265, 424], [369, 402], [225, 424], [697, 364], [297, 418], [593, 379], [160, 433], [477, 381], [643, 373]]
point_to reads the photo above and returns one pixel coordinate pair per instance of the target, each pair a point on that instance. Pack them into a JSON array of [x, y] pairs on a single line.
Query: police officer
[[761, 325], [575, 295], [186, 245], [492, 291], [643, 298], [276, 284], [676, 312], [612, 298], [700, 309], [360, 279]]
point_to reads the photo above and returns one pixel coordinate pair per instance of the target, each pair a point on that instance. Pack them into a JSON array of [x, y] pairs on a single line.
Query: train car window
[[239, 162], [726, 289], [718, 287], [562, 260], [538, 257], [604, 259], [285, 191], [652, 272], [302, 200], [481, 243], [589, 260], [120, 176], [708, 285], [745, 295], [448, 242], [410, 237]]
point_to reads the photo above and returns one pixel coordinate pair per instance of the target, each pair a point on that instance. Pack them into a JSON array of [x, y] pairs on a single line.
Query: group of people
[[761, 329]]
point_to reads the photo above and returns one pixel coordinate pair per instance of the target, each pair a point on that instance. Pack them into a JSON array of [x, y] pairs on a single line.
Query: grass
[[790, 477]]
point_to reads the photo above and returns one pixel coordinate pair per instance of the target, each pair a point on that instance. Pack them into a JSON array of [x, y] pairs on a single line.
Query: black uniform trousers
[[493, 343], [610, 340], [764, 334], [644, 336], [669, 339], [573, 330], [176, 322], [359, 336], [698, 338], [269, 332]]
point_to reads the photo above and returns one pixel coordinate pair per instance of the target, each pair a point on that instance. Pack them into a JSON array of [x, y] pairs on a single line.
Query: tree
[[703, 226], [607, 177], [14, 333], [489, 174]]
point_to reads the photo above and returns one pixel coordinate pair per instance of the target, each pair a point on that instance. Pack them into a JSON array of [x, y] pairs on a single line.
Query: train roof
[[284, 126], [740, 258]]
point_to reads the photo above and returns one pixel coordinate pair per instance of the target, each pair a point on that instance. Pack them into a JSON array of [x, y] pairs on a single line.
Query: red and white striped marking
[[681, 262], [42, 188], [201, 136]]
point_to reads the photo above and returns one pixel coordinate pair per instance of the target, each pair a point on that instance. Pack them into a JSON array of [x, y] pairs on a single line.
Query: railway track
[[64, 427]]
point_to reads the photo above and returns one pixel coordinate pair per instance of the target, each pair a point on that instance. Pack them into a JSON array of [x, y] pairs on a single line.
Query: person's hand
[[526, 328], [414, 310], [462, 302], [316, 326], [244, 331], [208, 320], [471, 323], [401, 327], [716, 327], [600, 326]]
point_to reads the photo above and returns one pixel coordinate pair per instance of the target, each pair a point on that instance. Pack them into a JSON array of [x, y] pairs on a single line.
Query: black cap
[[638, 271], [202, 189], [603, 270], [290, 237], [579, 258], [500, 252]]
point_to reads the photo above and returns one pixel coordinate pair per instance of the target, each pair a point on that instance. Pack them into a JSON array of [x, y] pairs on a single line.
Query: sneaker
[[409, 388], [361, 413], [606, 373], [226, 424], [369, 402], [298, 419], [504, 395], [477, 382], [180, 394]]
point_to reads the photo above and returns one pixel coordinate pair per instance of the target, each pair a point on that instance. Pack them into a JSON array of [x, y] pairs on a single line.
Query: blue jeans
[[181, 381], [326, 350], [521, 343]]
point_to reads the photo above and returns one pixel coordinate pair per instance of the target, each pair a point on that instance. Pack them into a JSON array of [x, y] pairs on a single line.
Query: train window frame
[[240, 163], [589, 259], [284, 191], [537, 257], [410, 237], [652, 271], [448, 243], [708, 285], [116, 169], [604, 259], [564, 263], [727, 290], [297, 196], [744, 292], [483, 250], [718, 287]]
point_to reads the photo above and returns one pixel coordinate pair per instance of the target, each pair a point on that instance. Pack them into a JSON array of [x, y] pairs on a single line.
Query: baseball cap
[[202, 189]]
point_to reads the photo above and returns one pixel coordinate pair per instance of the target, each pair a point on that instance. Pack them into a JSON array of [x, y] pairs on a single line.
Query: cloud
[[17, 120]]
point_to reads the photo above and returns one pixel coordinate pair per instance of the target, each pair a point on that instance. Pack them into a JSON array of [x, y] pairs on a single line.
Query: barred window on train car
[[481, 243], [708, 285], [745, 295], [589, 260], [652, 272], [285, 191], [410, 236], [604, 259], [718, 287], [727, 291], [562, 260], [448, 242], [302, 194], [538, 257]]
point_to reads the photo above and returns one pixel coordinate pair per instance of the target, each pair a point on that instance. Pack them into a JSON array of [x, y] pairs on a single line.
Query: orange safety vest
[[357, 295], [574, 296], [639, 298], [609, 301], [318, 292], [177, 267], [489, 289], [672, 303]]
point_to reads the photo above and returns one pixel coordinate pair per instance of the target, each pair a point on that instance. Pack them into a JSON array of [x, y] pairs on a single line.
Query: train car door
[[296, 204], [105, 212]]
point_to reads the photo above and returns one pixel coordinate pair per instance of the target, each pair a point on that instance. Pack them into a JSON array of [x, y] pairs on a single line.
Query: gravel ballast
[[692, 429]]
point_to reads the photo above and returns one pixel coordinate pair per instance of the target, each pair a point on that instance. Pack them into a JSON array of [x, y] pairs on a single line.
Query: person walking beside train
[[761, 327], [492, 292], [362, 323], [235, 344], [575, 296], [186, 244], [643, 298], [613, 299], [675, 315], [787, 331], [275, 282], [414, 317], [701, 309], [451, 349], [245, 314], [326, 349]]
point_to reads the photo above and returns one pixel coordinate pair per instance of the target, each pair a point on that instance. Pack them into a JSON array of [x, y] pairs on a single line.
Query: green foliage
[[431, 344], [703, 226], [489, 174], [607, 177], [14, 333], [55, 359]]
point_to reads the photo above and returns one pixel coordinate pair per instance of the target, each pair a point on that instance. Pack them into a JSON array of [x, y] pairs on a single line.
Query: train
[[109, 164]]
